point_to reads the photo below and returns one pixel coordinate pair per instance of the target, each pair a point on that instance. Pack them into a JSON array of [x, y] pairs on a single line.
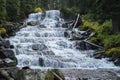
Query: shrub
[[38, 10], [113, 51], [94, 40], [105, 28], [112, 41]]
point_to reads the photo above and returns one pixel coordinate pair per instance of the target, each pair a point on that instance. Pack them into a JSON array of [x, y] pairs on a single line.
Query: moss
[[113, 51], [38, 10], [49, 75], [2, 31]]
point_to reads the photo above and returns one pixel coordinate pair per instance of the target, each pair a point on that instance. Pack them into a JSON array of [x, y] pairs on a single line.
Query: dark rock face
[[7, 57], [7, 54]]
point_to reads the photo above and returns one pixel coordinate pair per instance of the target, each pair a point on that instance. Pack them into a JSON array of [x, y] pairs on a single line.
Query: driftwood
[[92, 44], [76, 21]]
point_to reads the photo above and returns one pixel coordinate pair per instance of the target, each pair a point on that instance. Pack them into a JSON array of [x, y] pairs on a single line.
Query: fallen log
[[92, 44]]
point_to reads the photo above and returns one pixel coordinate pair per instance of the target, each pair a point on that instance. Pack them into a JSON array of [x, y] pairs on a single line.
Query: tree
[[3, 12], [13, 9]]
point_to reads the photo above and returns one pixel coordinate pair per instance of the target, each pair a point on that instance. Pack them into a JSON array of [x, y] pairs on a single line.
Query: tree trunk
[[116, 24]]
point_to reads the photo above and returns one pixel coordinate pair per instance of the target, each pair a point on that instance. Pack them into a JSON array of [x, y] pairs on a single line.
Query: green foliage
[[13, 9], [112, 41], [113, 51], [106, 28], [38, 9], [94, 39], [2, 31], [73, 10]]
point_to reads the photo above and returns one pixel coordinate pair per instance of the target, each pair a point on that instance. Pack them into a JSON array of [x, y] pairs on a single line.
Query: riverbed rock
[[99, 54], [4, 75], [6, 53], [41, 61], [6, 43], [31, 23], [39, 47], [9, 62]]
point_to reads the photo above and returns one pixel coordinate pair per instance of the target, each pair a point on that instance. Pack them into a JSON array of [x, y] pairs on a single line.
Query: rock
[[6, 53], [26, 67], [48, 52], [49, 75], [11, 46], [41, 62], [5, 75], [39, 47], [117, 62], [62, 44], [81, 45], [66, 34], [99, 54], [10, 63], [31, 23], [6, 43], [42, 26]]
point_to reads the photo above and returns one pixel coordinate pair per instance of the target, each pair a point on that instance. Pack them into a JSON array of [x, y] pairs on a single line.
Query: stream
[[43, 46]]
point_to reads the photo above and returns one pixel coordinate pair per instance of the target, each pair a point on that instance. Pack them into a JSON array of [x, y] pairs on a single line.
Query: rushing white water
[[44, 45]]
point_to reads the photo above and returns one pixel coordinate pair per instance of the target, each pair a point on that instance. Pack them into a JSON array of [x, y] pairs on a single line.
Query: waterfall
[[44, 45]]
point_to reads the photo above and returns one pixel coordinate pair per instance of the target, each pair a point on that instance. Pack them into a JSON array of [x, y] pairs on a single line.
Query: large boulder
[[6, 53], [9, 62], [5, 43]]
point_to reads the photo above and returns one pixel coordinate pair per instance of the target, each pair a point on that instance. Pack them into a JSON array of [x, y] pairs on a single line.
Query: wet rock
[[31, 23], [5, 75], [99, 54], [117, 62], [62, 44], [49, 75], [5, 43], [39, 47], [42, 26], [47, 52], [6, 53], [41, 62], [9, 62], [26, 67], [81, 45], [66, 34]]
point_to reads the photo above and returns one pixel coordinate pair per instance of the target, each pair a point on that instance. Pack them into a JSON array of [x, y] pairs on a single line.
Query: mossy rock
[[2, 31], [113, 51], [49, 75], [38, 10]]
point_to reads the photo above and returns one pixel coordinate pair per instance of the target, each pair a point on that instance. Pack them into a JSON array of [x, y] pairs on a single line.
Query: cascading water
[[44, 45]]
